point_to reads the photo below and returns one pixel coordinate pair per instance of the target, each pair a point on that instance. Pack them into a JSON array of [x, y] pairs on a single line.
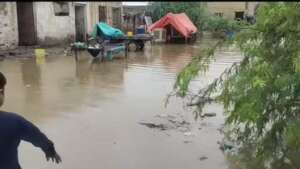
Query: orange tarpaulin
[[181, 22]]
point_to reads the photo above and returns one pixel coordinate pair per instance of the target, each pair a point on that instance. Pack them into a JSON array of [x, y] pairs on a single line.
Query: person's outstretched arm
[[30, 133]]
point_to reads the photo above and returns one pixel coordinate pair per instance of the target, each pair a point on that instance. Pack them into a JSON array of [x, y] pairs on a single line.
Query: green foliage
[[261, 95], [195, 10], [220, 24], [198, 13]]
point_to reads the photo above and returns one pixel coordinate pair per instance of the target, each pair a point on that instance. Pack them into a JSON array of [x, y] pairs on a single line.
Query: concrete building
[[134, 9], [53, 23], [110, 12], [231, 10], [133, 16]]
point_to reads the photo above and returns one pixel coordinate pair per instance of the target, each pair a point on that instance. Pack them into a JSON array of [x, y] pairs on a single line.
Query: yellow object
[[40, 56], [129, 34]]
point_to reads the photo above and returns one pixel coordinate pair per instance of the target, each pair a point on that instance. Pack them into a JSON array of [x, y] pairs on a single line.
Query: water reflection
[[83, 69], [31, 76], [94, 72], [175, 57]]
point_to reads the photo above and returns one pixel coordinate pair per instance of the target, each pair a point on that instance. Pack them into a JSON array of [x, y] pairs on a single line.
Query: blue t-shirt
[[13, 129]]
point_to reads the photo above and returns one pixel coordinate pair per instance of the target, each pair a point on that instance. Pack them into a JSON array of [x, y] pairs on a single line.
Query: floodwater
[[92, 110]]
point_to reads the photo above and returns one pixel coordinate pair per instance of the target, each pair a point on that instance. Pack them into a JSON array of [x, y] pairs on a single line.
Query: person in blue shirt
[[13, 129]]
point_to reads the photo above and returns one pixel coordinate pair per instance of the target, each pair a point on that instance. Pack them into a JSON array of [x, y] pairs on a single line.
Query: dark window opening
[[102, 13], [239, 15], [116, 17], [61, 8], [220, 14], [175, 33]]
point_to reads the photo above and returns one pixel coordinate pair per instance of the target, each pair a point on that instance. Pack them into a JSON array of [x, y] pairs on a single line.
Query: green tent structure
[[106, 31]]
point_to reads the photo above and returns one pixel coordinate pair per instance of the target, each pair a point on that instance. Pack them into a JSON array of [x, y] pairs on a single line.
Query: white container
[[159, 35]]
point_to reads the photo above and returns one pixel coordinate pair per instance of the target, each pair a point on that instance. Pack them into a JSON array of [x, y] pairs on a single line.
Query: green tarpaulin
[[106, 31]]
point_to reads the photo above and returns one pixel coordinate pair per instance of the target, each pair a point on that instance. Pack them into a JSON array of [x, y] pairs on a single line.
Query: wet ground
[[93, 111]]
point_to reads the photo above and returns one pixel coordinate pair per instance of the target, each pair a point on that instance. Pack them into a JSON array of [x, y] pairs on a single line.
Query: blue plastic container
[[230, 34], [140, 31]]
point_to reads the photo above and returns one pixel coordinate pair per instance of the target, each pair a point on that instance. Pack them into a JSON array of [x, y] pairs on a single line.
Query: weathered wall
[[251, 7], [229, 8], [8, 25], [134, 9], [51, 29], [93, 13]]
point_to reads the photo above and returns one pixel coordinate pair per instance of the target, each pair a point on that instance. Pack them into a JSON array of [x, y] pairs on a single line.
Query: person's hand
[[54, 157]]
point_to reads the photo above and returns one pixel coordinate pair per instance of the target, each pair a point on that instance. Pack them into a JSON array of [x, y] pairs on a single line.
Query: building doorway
[[102, 14], [117, 17], [80, 14], [26, 25]]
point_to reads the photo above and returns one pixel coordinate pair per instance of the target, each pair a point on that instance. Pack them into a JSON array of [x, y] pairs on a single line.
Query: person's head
[[2, 87]]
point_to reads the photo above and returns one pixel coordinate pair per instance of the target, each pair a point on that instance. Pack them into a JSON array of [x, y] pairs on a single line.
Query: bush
[[260, 94]]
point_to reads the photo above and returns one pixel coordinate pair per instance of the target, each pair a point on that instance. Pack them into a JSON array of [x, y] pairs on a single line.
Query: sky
[[135, 3]]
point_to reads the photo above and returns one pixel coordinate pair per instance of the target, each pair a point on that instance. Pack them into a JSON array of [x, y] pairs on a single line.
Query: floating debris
[[183, 129], [208, 115], [188, 134], [178, 124], [152, 125], [165, 116], [225, 146], [203, 158], [187, 141], [171, 122], [221, 130]]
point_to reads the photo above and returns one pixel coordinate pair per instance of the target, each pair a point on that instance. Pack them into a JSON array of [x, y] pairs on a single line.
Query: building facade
[[232, 10], [133, 17], [53, 23]]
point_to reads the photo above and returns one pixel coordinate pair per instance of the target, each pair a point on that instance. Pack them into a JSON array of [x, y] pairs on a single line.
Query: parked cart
[[107, 41], [113, 35], [138, 41]]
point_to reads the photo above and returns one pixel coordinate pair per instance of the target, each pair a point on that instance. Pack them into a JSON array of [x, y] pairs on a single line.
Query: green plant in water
[[261, 94]]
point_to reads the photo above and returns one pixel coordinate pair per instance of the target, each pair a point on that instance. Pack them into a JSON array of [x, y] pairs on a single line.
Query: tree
[[261, 94], [195, 10]]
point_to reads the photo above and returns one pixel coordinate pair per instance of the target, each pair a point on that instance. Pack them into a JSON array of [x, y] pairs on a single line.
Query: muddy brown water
[[92, 110]]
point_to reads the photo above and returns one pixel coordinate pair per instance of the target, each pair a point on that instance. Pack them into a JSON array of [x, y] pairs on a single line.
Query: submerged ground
[[92, 111]]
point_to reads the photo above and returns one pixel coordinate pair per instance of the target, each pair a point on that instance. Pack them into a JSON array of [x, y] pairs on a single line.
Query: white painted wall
[[251, 7], [93, 13], [53, 29], [229, 8], [50, 29], [8, 25]]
